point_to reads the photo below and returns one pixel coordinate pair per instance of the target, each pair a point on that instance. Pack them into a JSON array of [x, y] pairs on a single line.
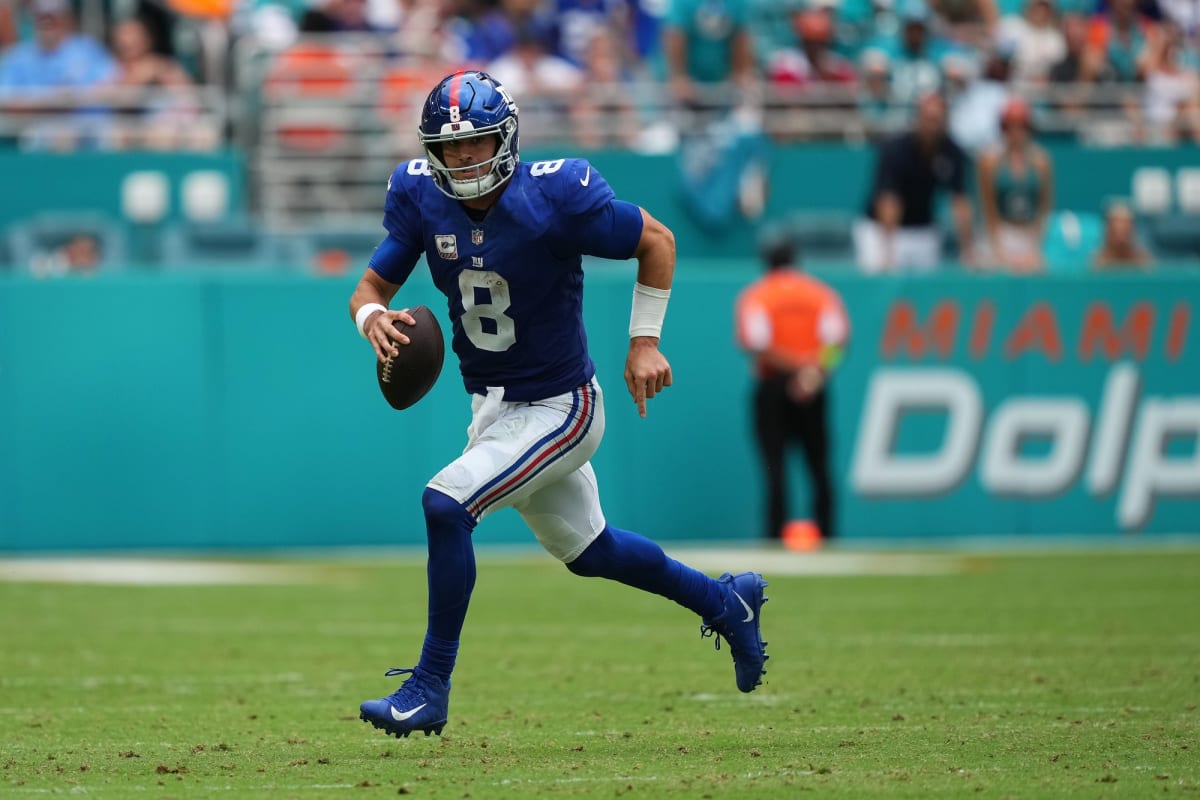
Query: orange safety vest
[[794, 315]]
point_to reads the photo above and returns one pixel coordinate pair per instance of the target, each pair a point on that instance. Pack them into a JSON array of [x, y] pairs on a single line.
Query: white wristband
[[649, 310], [366, 310]]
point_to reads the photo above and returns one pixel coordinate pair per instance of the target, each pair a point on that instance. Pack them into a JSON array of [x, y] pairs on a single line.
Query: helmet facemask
[[486, 175]]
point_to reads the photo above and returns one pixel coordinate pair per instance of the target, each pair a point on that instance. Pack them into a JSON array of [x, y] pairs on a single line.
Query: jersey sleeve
[[576, 188], [591, 220], [612, 231], [399, 252]]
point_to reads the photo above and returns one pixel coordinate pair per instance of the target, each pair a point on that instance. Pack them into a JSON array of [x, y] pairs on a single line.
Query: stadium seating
[[35, 237], [239, 242], [1168, 210], [823, 235], [1173, 236], [333, 247], [1071, 238]]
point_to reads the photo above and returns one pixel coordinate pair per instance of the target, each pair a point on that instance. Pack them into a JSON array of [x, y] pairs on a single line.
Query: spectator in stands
[[708, 50], [810, 82], [608, 117], [813, 61], [1035, 40], [579, 21], [1123, 36], [976, 100], [57, 60], [1120, 248], [875, 93], [155, 96], [899, 231], [418, 27], [646, 32], [54, 72], [79, 255], [484, 31], [1120, 36], [1080, 64], [969, 23], [1016, 193], [1082, 77], [544, 82], [1172, 95], [1184, 13], [852, 20], [346, 16], [8, 25], [916, 56]]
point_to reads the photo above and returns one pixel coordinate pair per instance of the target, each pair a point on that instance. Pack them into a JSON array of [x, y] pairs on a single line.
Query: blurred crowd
[[873, 58], [697, 77]]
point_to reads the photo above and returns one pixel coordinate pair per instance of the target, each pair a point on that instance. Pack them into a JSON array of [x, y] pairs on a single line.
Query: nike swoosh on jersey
[[402, 716], [745, 605], [587, 176]]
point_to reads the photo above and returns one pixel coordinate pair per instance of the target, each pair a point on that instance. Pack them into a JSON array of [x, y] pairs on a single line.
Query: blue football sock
[[451, 575], [636, 561]]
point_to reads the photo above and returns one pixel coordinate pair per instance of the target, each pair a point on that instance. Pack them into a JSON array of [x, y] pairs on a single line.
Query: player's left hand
[[646, 371]]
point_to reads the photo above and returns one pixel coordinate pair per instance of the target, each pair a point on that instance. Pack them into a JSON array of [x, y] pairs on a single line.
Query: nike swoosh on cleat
[[745, 605], [587, 176], [401, 717]]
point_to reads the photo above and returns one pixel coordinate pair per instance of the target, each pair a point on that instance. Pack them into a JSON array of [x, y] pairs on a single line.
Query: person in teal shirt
[[1016, 193], [915, 53], [707, 44]]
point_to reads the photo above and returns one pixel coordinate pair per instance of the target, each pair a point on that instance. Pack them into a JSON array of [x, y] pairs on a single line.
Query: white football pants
[[534, 457]]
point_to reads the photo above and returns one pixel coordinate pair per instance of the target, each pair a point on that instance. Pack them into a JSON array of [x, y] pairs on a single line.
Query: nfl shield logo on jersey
[[447, 245], [476, 236]]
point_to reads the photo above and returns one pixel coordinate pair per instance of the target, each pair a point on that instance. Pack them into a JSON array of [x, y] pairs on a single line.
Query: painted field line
[[828, 563], [152, 572]]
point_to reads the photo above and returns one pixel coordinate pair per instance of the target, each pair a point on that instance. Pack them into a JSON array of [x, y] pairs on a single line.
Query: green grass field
[[1060, 674]]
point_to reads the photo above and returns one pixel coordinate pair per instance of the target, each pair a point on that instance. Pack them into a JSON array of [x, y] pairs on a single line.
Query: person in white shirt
[[1035, 40]]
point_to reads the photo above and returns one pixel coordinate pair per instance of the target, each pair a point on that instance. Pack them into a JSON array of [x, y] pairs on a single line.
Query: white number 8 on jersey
[[505, 334]]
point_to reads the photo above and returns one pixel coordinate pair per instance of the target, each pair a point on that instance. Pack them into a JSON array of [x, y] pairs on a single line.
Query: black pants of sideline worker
[[780, 422]]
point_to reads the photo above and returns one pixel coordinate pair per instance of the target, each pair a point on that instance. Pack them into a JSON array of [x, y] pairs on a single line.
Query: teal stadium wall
[[92, 181], [153, 409], [241, 411]]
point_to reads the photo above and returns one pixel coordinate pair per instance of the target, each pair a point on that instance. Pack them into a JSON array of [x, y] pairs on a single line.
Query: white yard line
[[823, 562], [151, 572]]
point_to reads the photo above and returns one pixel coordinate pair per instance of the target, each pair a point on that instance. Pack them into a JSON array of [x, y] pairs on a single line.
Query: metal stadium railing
[[117, 118], [323, 121]]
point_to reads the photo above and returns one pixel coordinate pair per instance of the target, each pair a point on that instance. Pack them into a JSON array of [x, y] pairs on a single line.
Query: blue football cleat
[[738, 625], [420, 704]]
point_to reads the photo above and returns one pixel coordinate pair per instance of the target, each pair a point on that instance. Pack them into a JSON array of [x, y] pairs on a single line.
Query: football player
[[504, 242]]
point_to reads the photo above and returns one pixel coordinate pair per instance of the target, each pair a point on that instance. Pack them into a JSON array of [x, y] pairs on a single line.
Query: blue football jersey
[[514, 280]]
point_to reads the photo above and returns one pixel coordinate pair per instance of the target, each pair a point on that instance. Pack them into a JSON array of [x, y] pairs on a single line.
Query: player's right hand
[[647, 371], [382, 333]]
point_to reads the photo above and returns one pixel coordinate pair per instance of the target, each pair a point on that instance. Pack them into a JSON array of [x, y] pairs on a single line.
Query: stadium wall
[[241, 411], [819, 178]]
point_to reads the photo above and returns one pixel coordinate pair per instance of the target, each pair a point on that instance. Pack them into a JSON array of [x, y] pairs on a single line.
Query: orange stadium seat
[[401, 91], [312, 86]]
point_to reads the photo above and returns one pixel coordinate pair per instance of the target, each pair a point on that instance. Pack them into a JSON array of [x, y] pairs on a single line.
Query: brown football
[[406, 378]]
